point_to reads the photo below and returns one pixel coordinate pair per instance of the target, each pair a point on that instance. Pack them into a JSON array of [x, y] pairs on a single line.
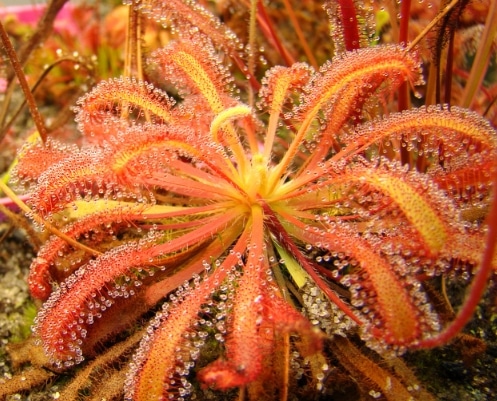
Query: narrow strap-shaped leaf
[[108, 99], [156, 360], [349, 77]]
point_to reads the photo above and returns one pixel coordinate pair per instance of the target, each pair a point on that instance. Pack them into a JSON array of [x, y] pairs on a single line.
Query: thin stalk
[[133, 55], [42, 32], [7, 191], [133, 65], [129, 54], [449, 69], [17, 221], [286, 367], [391, 6], [268, 30], [403, 102], [430, 93], [16, 65], [251, 48], [430, 26], [300, 34], [348, 17], [480, 63], [39, 81], [438, 76], [405, 11], [7, 97]]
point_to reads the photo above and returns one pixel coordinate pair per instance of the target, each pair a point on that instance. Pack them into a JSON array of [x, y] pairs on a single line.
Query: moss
[[23, 331]]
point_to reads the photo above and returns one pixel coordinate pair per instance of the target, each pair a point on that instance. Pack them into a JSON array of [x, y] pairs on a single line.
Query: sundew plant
[[255, 217]]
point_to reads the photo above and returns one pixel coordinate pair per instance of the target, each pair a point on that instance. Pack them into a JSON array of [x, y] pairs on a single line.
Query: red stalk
[[405, 8], [348, 17]]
